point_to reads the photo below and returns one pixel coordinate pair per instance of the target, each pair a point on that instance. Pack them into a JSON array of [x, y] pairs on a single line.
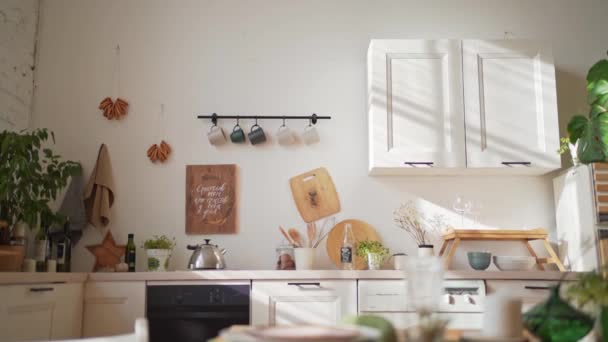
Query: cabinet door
[[40, 312], [510, 105], [416, 118], [302, 302], [575, 219], [531, 292], [111, 308]]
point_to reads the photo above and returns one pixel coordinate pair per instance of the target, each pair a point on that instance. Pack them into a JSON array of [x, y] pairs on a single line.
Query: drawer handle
[[305, 284], [387, 294], [523, 163], [537, 287], [414, 164], [41, 289]]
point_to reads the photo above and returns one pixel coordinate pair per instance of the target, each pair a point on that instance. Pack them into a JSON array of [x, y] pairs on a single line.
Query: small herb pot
[[425, 251], [375, 261], [158, 259]]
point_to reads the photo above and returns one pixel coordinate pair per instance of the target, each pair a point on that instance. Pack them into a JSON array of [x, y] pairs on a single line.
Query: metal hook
[[283, 125], [256, 121], [214, 119]]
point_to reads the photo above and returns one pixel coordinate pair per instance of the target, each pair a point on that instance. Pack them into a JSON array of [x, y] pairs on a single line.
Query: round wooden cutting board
[[361, 231]]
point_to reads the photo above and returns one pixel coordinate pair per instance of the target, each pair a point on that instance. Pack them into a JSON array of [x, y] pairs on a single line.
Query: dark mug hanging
[[256, 135], [238, 135]]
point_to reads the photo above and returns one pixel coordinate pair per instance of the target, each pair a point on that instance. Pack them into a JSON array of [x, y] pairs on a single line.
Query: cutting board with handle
[[315, 195]]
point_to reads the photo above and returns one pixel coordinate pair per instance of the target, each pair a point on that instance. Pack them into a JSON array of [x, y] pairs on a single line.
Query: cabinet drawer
[[302, 302], [383, 296], [531, 292]]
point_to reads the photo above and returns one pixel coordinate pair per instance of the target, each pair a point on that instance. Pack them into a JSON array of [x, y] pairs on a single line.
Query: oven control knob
[[470, 299], [448, 299], [179, 299]]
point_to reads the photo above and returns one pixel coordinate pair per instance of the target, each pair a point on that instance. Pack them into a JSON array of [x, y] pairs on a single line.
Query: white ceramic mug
[[285, 136], [216, 135], [310, 135], [305, 258]]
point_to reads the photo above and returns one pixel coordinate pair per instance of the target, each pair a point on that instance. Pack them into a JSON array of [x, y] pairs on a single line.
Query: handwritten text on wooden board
[[211, 206]]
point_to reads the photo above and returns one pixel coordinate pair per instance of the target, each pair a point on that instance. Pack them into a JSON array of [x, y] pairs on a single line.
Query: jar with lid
[[285, 259]]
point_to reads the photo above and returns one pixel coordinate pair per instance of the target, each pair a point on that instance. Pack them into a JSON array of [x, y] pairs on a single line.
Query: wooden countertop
[[227, 275]]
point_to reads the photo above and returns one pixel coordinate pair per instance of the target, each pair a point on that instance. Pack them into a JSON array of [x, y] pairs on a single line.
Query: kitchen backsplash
[[280, 60]]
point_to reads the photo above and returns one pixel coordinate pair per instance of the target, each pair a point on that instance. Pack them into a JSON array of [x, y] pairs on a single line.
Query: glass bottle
[[346, 251], [41, 246], [130, 254], [64, 249]]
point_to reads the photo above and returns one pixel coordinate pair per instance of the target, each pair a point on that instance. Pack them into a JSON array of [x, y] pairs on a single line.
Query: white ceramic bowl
[[514, 263]]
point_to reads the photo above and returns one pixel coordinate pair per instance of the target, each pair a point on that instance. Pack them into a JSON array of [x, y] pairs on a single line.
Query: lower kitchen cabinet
[[302, 302], [111, 308], [531, 292], [40, 312], [461, 305]]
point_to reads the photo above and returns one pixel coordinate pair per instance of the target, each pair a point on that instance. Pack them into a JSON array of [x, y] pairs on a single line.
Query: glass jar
[[285, 258]]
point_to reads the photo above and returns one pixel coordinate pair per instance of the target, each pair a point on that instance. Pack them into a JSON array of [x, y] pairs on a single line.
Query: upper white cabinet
[[416, 115], [510, 105], [459, 107]]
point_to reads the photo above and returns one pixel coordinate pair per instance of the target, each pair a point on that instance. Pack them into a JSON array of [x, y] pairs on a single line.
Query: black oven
[[188, 313]]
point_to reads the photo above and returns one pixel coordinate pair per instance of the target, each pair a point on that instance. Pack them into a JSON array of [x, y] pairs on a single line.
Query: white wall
[[276, 57], [18, 22]]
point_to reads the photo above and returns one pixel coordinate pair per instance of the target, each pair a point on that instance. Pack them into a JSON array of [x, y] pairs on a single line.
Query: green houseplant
[[158, 252], [590, 133], [31, 176], [374, 252], [591, 289]]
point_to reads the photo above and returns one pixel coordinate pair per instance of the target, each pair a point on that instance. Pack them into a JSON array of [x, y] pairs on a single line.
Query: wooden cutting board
[[361, 231], [315, 195]]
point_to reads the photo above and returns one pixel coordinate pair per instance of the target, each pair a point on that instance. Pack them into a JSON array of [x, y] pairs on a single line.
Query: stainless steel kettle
[[206, 257]]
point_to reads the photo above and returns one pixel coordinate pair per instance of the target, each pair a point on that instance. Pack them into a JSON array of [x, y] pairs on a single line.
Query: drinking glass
[[461, 206], [425, 284]]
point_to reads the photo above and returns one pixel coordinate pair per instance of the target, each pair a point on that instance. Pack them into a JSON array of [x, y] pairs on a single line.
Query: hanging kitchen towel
[[73, 208], [99, 192]]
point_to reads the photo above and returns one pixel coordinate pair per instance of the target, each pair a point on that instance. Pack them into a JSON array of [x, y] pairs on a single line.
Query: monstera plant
[[591, 132]]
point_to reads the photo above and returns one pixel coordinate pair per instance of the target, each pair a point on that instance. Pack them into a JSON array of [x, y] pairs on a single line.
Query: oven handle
[[164, 315]]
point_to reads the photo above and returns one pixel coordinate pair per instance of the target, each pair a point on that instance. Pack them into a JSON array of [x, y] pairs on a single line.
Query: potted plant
[[589, 134], [421, 228], [158, 252], [374, 252], [591, 291], [31, 176]]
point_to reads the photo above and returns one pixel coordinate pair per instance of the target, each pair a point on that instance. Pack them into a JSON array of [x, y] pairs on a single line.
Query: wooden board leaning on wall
[[211, 202]]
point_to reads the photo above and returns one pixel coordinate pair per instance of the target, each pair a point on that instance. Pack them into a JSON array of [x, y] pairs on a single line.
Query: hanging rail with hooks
[[313, 118]]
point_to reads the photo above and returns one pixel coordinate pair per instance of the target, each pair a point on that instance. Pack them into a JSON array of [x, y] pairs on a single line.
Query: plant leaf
[[576, 127], [593, 142]]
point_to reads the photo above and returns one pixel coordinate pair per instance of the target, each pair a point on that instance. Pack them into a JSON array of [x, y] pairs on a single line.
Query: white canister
[[305, 258], [51, 265], [157, 259], [400, 261], [502, 316], [29, 265], [426, 251]]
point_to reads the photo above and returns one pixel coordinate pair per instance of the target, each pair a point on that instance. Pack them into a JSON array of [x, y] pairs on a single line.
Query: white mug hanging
[[216, 135], [285, 135], [310, 135]]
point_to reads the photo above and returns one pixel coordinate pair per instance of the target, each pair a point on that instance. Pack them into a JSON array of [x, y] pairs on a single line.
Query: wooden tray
[[361, 231]]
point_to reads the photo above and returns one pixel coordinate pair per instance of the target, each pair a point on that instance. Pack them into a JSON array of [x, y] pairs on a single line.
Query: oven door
[[187, 326]]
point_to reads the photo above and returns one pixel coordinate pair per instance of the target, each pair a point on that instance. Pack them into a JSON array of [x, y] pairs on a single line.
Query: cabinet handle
[[41, 289], [386, 294], [414, 164], [524, 163], [305, 284], [537, 287]]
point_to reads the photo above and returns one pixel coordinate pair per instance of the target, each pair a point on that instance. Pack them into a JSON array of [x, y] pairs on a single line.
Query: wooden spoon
[[286, 235], [296, 237]]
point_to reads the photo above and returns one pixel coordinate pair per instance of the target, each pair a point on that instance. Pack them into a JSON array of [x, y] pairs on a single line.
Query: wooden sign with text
[[211, 204]]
